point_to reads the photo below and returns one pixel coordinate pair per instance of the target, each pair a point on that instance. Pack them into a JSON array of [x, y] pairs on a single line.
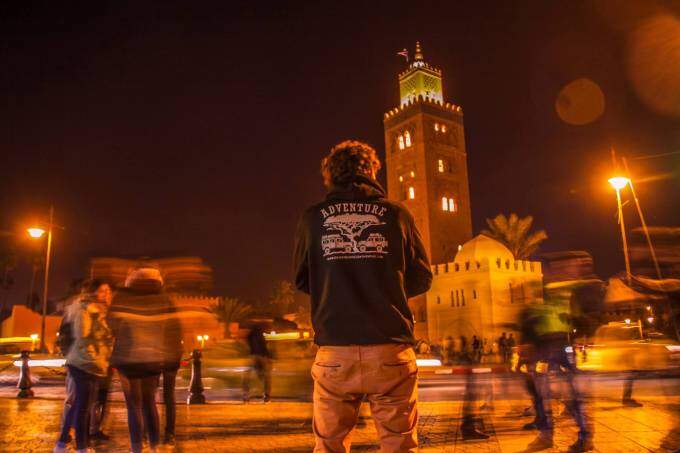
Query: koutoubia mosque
[[478, 285]]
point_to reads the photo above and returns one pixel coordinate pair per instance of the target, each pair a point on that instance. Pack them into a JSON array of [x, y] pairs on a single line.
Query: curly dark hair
[[347, 160]]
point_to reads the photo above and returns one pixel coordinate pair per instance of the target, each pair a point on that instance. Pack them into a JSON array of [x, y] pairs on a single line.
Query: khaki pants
[[386, 374]]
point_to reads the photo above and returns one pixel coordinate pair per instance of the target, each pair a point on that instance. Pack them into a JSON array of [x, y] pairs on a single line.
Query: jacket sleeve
[[417, 276], [301, 256]]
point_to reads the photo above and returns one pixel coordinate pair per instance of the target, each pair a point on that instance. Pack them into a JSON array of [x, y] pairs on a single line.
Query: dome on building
[[482, 247]]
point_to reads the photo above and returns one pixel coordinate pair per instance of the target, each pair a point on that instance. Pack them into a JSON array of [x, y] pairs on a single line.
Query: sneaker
[[169, 439], [542, 442], [630, 402], [99, 435], [61, 447], [583, 444], [474, 434], [530, 426]]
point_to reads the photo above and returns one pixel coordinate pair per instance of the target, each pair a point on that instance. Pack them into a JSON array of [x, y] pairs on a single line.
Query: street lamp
[[618, 183], [202, 339], [36, 233]]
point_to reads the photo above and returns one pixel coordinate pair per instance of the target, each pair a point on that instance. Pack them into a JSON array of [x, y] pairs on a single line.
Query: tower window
[[411, 193], [401, 142], [407, 139], [436, 127], [474, 293], [413, 174], [449, 204], [440, 165], [443, 127], [439, 301], [401, 179]]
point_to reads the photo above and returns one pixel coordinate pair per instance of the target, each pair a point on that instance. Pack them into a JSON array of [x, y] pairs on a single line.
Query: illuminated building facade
[[481, 292], [426, 165]]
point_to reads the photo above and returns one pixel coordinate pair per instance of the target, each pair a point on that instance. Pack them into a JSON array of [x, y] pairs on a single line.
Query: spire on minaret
[[419, 53]]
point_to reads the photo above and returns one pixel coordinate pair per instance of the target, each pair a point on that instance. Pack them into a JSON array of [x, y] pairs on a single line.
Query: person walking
[[360, 257], [87, 360], [143, 319], [476, 349], [261, 364]]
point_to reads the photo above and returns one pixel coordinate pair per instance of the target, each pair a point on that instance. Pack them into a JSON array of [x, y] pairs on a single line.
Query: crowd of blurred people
[[137, 333], [461, 351]]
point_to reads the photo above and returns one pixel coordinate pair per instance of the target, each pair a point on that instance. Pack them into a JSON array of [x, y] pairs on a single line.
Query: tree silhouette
[[351, 225], [228, 310]]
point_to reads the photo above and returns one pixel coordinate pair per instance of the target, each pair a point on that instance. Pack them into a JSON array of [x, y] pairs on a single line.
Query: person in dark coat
[[261, 364], [145, 323]]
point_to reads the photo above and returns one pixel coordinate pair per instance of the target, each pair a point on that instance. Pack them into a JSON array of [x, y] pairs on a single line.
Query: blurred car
[[624, 346], [44, 366], [226, 363]]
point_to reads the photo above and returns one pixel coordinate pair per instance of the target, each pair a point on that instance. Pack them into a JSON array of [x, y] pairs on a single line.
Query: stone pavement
[[31, 426]]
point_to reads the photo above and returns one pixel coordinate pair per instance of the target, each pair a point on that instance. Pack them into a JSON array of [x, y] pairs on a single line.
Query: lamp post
[[37, 233], [619, 183]]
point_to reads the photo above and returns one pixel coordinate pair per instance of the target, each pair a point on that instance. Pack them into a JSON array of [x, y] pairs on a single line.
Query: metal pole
[[623, 236], [47, 278], [642, 220]]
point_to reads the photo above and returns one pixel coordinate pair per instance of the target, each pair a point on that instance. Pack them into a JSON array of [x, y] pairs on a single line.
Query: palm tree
[[514, 233], [228, 310], [283, 297]]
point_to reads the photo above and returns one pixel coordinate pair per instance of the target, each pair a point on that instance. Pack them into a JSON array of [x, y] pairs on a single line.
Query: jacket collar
[[361, 187]]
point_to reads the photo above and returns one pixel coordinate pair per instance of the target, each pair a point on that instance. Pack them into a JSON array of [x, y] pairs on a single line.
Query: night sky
[[177, 128]]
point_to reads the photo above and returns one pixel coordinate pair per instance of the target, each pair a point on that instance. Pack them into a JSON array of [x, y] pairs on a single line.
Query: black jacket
[[360, 257]]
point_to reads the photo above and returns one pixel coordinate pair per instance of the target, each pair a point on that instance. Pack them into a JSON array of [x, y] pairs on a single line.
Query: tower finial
[[419, 53]]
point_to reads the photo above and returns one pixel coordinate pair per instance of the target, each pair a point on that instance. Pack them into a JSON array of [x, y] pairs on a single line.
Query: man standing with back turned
[[360, 257]]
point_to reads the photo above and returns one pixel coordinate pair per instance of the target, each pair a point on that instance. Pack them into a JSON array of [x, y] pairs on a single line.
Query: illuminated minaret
[[427, 165]]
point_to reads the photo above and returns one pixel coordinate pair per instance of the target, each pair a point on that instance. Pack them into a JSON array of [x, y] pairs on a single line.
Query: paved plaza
[[31, 426]]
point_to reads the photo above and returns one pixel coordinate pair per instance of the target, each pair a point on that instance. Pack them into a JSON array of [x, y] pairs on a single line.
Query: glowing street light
[[618, 183], [37, 233], [34, 337], [203, 339]]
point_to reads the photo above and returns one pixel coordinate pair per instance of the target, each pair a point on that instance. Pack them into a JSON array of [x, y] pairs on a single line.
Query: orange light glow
[[36, 232], [619, 182]]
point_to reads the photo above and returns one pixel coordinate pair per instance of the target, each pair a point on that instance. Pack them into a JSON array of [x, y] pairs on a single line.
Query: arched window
[[436, 127], [411, 193], [440, 165], [452, 298], [507, 264], [439, 301], [445, 204], [457, 267], [498, 263], [452, 205], [407, 138], [443, 127], [462, 297], [467, 265], [401, 142], [457, 299], [474, 294]]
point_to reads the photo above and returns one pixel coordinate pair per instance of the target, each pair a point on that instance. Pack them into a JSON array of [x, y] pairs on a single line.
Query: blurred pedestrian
[[463, 353], [144, 321], [476, 349], [360, 256], [550, 338], [261, 364], [87, 360], [98, 411], [503, 347]]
